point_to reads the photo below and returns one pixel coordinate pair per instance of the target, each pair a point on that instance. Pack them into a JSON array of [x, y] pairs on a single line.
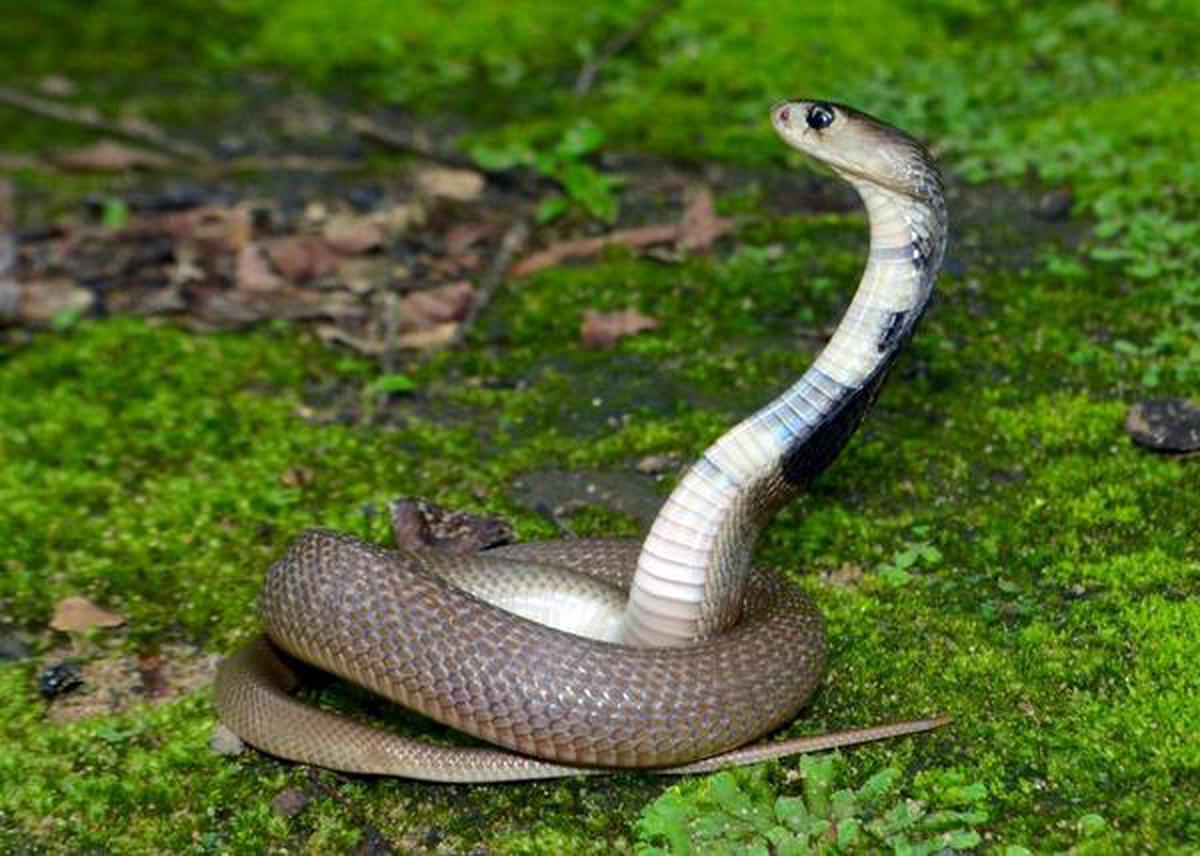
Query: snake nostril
[[784, 115]]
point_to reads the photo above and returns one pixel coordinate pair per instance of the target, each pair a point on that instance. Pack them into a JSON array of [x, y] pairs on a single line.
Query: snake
[[581, 656]]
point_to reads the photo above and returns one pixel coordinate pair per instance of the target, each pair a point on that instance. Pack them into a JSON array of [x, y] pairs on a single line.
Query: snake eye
[[819, 116]]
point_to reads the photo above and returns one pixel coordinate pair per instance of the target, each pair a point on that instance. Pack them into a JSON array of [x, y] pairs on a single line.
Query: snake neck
[[695, 561]]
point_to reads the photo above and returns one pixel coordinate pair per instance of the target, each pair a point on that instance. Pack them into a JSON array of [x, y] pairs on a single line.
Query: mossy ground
[[1056, 619]]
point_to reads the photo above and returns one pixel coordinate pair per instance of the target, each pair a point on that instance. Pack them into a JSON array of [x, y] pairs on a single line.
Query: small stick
[[406, 141], [90, 117], [618, 43], [497, 272]]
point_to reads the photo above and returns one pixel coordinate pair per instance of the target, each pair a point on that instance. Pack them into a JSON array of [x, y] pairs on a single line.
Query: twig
[[90, 117], [408, 141], [619, 43], [512, 242]]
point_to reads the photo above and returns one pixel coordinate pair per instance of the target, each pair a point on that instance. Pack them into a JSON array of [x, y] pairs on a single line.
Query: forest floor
[[267, 267]]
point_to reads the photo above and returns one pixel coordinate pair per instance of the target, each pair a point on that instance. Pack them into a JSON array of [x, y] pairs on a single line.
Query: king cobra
[[582, 656]]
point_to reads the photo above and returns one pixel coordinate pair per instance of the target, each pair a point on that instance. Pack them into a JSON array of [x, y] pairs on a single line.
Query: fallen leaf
[[150, 672], [578, 248], [74, 614], [226, 308], [44, 301], [209, 232], [109, 156], [353, 235], [457, 185], [603, 329], [699, 227], [252, 271], [466, 235], [428, 339], [334, 334], [399, 218], [145, 300], [301, 258], [424, 309], [418, 524], [363, 275]]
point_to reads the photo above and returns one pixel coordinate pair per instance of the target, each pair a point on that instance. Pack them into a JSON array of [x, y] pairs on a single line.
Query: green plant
[[738, 811], [896, 572], [565, 162]]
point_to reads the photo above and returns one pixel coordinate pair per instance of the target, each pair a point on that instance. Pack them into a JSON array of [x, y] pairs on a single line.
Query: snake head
[[858, 147]]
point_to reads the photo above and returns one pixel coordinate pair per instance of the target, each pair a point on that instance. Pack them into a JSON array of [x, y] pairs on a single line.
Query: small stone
[[1169, 425], [457, 185], [1056, 204], [290, 802], [652, 465], [59, 679], [12, 648], [225, 742]]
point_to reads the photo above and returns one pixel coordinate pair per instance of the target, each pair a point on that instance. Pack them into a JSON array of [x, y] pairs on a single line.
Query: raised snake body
[[583, 655]]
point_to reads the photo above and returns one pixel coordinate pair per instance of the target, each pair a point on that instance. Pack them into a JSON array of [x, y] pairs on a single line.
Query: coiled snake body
[[582, 655]]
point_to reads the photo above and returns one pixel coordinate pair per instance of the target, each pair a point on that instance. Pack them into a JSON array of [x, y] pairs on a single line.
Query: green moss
[[1023, 566]]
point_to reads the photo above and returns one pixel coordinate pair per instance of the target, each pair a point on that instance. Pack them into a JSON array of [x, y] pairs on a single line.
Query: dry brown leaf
[[700, 227], [222, 308], [150, 672], [643, 236], [75, 614], [209, 232], [332, 334], [399, 218], [457, 185], [362, 275], [603, 329], [418, 524], [466, 235], [301, 258], [423, 309], [429, 338], [252, 271], [109, 156], [44, 300], [143, 300], [353, 235]]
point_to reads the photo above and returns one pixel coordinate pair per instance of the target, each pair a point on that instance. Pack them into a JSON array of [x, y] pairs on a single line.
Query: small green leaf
[[115, 214], [848, 832], [551, 208], [498, 158], [579, 140], [397, 383], [961, 839], [1090, 824]]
